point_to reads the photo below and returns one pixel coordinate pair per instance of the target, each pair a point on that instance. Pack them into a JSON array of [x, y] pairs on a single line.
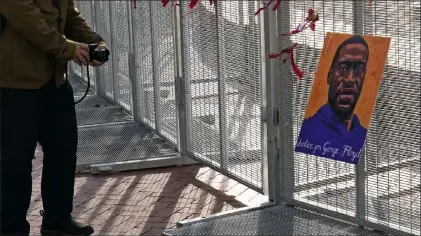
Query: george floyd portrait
[[343, 96]]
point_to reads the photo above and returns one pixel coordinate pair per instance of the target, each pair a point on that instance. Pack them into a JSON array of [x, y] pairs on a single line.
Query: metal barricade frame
[[277, 158]]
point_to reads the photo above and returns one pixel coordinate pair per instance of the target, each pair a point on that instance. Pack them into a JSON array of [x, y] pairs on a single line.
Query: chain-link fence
[[108, 131], [222, 84], [219, 93], [385, 188], [197, 78]]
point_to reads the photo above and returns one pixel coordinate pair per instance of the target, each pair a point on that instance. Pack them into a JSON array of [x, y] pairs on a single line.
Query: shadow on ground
[[146, 202]]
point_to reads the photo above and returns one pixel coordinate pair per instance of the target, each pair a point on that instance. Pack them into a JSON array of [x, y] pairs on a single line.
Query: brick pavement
[[146, 202]]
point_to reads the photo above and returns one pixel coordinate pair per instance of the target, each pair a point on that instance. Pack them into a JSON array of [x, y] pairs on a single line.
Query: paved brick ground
[[149, 201]]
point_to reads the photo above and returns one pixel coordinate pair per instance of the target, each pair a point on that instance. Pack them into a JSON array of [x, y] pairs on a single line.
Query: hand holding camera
[[98, 54], [92, 54], [82, 54]]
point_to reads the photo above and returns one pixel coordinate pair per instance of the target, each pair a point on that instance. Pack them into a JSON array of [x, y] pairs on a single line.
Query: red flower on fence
[[309, 22], [290, 52]]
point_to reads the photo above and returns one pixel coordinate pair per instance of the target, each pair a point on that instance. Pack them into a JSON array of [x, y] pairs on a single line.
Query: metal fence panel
[[337, 17], [222, 91], [240, 94], [113, 137], [88, 13], [392, 180], [162, 31], [221, 51], [200, 76], [103, 27], [389, 194], [120, 51], [143, 65], [73, 68]]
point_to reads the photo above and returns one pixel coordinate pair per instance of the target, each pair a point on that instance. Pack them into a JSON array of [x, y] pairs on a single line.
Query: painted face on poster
[[341, 103]]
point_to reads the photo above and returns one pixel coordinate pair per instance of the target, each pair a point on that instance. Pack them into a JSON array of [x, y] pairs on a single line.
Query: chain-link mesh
[[240, 72], [73, 68], [107, 133], [392, 150], [87, 12], [144, 87], [393, 142], [279, 220], [79, 86], [97, 110], [120, 51], [163, 70], [313, 176], [117, 143], [103, 27], [201, 82], [229, 53], [222, 91], [222, 84]]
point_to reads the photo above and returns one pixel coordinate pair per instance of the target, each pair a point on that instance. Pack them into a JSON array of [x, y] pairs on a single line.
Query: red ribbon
[[193, 3], [134, 4], [278, 3], [289, 51], [369, 6], [267, 4], [309, 22], [165, 2]]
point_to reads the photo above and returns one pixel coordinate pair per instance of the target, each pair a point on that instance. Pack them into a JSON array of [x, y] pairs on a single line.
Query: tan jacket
[[35, 43]]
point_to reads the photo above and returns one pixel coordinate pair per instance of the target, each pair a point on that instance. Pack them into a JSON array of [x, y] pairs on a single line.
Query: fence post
[[100, 84], [94, 70], [360, 173], [113, 55], [286, 108], [155, 81], [131, 56], [179, 85], [271, 167], [221, 93]]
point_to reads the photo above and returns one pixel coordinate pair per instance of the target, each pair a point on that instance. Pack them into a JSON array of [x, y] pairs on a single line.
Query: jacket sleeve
[[26, 19], [78, 29]]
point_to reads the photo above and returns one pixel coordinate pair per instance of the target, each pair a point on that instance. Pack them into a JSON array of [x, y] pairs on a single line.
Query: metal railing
[[201, 79]]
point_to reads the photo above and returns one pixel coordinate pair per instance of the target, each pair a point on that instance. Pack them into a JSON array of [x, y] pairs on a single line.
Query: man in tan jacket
[[38, 39]]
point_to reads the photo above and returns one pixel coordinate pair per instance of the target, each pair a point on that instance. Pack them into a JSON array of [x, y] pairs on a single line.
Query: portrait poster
[[343, 96]]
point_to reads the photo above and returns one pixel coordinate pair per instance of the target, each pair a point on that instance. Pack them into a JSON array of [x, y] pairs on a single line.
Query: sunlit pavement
[[146, 202]]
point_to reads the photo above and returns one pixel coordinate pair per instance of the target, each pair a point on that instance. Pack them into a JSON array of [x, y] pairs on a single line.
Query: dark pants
[[46, 115]]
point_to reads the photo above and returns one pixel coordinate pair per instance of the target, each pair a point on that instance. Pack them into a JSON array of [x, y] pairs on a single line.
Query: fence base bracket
[[223, 214], [141, 164]]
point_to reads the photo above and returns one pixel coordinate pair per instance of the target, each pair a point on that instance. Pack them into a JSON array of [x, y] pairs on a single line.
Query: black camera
[[100, 55]]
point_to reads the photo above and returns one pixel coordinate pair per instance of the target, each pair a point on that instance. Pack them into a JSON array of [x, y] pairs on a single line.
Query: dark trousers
[[46, 115]]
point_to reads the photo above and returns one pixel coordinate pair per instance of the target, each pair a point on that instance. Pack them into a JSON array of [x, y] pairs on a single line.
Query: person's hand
[[82, 54], [96, 63], [101, 46]]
